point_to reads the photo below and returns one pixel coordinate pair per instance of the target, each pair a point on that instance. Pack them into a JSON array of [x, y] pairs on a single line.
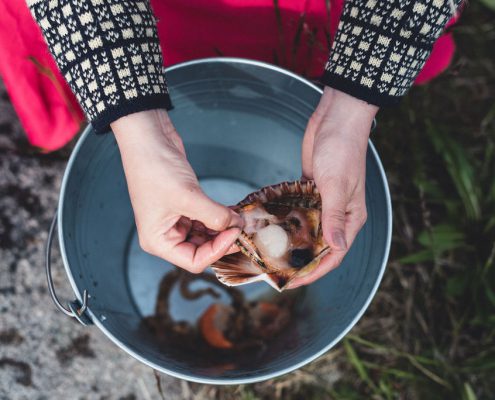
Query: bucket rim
[[225, 381]]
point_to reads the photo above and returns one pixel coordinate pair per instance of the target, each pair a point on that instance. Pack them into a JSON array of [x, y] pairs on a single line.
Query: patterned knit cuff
[[109, 53], [381, 46], [101, 124], [357, 90]]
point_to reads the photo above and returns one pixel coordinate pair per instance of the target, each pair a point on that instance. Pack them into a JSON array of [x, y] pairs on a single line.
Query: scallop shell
[[293, 206]]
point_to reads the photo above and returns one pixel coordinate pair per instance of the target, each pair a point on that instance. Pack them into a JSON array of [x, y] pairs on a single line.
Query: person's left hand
[[334, 155]]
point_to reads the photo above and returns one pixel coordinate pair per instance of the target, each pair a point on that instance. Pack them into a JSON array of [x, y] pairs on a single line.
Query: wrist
[[343, 114], [134, 129], [343, 105], [138, 122]]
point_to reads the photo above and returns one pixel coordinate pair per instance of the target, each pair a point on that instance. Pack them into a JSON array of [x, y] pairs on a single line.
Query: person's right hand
[[166, 196]]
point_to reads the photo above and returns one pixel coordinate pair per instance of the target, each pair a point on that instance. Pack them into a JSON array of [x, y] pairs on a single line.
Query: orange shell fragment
[[210, 325]]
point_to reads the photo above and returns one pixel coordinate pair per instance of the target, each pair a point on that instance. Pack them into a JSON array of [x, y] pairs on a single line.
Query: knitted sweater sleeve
[[109, 53], [381, 45]]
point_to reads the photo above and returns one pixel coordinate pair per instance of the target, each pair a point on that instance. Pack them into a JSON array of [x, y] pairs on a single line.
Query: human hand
[[166, 197], [334, 155]]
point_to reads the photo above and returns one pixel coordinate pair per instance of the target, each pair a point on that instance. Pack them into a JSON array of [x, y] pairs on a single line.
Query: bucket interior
[[242, 125]]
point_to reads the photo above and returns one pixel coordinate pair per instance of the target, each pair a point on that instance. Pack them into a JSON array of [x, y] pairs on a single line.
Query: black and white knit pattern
[[108, 50], [381, 45], [109, 53]]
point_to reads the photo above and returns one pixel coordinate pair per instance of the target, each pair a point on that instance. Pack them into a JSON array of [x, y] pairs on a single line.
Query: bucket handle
[[74, 308]]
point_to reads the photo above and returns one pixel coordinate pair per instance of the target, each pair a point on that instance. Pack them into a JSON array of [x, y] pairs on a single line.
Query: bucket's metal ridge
[[74, 308]]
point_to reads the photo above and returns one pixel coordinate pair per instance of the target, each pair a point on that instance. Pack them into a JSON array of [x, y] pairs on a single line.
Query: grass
[[430, 332]]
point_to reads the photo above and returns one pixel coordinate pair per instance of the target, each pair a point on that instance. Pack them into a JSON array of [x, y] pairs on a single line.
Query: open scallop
[[282, 237]]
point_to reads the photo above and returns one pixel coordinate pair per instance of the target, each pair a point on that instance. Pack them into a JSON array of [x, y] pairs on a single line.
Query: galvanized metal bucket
[[242, 123]]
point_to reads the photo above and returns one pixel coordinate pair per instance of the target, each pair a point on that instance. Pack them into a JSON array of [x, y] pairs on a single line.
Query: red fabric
[[198, 28], [44, 103], [188, 30], [440, 57]]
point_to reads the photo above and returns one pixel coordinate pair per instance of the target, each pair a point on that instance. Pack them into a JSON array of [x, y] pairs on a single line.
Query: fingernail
[[233, 249], [236, 220], [339, 240]]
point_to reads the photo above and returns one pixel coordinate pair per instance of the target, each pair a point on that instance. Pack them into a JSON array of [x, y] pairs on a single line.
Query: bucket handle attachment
[[74, 308]]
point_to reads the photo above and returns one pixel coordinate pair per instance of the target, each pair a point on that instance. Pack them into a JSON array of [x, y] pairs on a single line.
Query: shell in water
[[282, 236]]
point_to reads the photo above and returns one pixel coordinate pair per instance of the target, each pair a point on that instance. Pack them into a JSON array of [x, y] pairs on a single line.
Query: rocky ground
[[43, 354]]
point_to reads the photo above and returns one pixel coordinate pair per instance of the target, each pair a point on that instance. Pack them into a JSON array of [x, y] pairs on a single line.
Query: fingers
[[334, 207], [328, 263], [203, 232], [197, 206], [354, 222], [195, 258], [190, 245], [233, 249]]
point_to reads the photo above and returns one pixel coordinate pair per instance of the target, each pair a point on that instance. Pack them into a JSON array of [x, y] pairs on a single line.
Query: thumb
[[212, 214], [334, 206]]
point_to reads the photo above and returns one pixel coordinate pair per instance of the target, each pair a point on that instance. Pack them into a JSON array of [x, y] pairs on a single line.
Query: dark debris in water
[[224, 330]]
